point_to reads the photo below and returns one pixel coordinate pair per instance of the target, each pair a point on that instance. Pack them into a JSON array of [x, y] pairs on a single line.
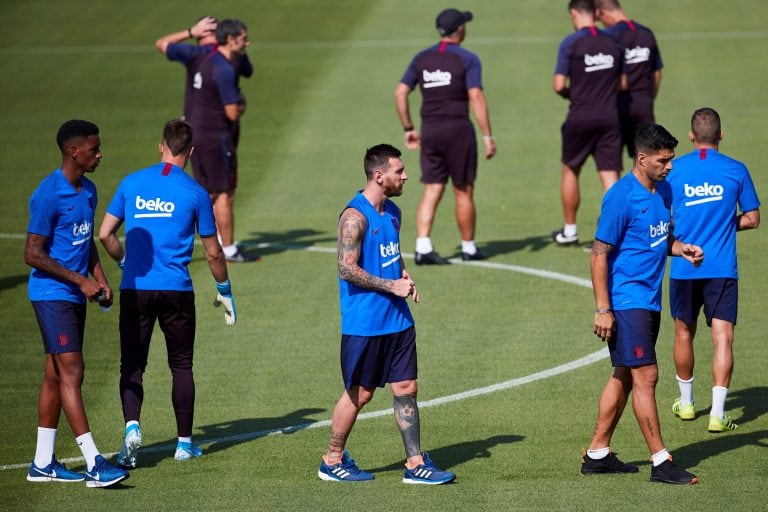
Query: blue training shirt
[[161, 206], [707, 187], [636, 223], [65, 216], [367, 312]]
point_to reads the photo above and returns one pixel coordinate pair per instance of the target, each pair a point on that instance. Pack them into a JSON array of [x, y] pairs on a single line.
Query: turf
[[325, 72]]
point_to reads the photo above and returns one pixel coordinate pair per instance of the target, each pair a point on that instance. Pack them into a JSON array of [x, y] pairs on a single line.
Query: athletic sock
[[185, 439], [88, 447], [46, 439], [660, 457], [569, 230], [230, 250], [686, 390], [468, 246], [598, 454], [719, 394], [424, 245], [129, 424]]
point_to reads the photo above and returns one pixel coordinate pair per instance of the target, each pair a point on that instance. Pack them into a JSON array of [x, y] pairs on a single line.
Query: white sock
[[88, 447], [230, 250], [468, 246], [660, 457], [46, 438], [130, 424], [424, 245], [598, 454], [719, 394], [187, 439], [686, 390], [569, 230]]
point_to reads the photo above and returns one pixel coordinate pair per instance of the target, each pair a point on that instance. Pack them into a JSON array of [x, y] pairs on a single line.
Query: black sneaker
[[561, 239], [465, 256], [431, 258], [240, 257], [609, 464], [670, 473]]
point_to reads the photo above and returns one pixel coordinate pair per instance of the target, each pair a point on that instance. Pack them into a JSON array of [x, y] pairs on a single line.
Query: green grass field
[[325, 73]]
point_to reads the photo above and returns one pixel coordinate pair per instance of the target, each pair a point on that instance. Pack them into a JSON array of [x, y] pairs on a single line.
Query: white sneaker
[[561, 239]]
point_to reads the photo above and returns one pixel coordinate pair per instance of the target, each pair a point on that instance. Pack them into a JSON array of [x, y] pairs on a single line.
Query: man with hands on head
[[628, 257], [162, 207]]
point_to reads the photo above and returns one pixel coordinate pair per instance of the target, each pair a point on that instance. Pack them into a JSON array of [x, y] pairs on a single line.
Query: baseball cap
[[450, 19]]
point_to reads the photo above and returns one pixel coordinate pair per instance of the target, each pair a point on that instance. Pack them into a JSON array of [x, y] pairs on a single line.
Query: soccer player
[[627, 263], [378, 340], [642, 59], [60, 250], [213, 107], [450, 79], [707, 188], [589, 72], [162, 207]]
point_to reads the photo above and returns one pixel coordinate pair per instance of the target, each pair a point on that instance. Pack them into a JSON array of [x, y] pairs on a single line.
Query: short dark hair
[[653, 138], [177, 136], [378, 157], [229, 27], [75, 129], [607, 5], [582, 5], [705, 125]]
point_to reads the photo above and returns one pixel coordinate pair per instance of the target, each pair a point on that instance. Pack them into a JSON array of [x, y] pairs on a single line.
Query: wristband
[[603, 311], [189, 32], [488, 137], [408, 128]]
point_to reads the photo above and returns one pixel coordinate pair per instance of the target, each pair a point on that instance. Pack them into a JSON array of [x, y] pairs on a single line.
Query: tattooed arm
[[352, 228], [604, 323]]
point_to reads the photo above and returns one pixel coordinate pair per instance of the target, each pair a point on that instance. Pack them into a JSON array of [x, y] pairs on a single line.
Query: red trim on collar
[[167, 169]]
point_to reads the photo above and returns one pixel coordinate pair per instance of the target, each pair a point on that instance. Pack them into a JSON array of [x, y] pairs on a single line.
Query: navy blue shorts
[[373, 361], [448, 149], [719, 296], [214, 162], [635, 341], [62, 324], [599, 138]]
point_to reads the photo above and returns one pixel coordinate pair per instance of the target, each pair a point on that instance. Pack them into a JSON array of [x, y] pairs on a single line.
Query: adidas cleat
[[427, 473], [186, 451], [684, 411], [344, 471], [127, 456], [721, 424]]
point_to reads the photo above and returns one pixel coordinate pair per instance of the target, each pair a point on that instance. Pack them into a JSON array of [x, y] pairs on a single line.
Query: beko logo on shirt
[[706, 192], [597, 62], [436, 78], [659, 230], [157, 207], [390, 250], [197, 81], [81, 230], [637, 54]]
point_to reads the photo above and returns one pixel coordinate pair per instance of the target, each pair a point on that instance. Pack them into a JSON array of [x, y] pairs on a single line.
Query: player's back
[[641, 55]]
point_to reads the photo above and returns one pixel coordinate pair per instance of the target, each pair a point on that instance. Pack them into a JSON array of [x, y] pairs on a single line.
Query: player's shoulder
[[50, 185]]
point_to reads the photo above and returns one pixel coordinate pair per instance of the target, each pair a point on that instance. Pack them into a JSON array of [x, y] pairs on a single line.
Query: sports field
[[509, 369]]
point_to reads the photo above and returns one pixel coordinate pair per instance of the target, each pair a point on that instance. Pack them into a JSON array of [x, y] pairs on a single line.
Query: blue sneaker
[[104, 474], [127, 456], [344, 471], [53, 472], [186, 451], [427, 473]]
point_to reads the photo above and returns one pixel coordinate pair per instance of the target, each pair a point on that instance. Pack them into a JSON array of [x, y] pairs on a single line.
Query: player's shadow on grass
[[267, 243], [497, 247], [694, 453], [8, 282], [455, 454]]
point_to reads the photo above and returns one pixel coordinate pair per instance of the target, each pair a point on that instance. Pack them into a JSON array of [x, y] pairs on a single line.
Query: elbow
[[161, 46]]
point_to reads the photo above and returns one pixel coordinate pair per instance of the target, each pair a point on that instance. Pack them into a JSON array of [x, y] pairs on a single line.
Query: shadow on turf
[[8, 282], [284, 241], [497, 247], [455, 454], [230, 433]]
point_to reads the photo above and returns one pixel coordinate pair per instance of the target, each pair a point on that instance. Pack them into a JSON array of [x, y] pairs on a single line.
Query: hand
[[203, 27], [90, 288], [224, 298], [605, 325], [693, 253], [490, 147], [105, 297], [414, 293], [412, 140]]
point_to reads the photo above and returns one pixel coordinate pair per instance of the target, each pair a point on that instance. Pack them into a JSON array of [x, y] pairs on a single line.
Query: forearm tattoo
[[599, 248], [351, 232], [338, 441], [407, 418]]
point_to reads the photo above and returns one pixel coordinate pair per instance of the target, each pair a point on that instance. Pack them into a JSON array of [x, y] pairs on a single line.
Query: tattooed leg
[[407, 418]]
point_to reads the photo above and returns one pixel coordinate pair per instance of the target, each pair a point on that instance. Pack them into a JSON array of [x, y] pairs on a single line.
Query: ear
[[722, 134], [690, 136], [160, 147], [72, 151]]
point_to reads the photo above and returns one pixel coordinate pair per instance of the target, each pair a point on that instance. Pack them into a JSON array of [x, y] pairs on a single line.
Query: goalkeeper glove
[[224, 298], [121, 263]]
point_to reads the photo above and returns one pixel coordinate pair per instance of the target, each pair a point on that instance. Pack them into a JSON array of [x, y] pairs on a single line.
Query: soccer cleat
[[465, 256], [239, 257], [127, 456], [344, 471], [721, 424], [684, 411], [670, 473], [561, 239], [186, 451], [104, 474], [427, 473], [53, 472], [608, 464], [430, 258]]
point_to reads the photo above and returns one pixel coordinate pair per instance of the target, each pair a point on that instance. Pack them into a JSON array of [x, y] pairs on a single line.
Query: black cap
[[451, 19]]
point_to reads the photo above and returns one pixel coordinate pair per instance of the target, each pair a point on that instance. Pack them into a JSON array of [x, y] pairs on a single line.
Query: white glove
[[224, 298]]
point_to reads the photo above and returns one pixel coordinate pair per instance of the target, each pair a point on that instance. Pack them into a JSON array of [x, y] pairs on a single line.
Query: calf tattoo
[[338, 441], [407, 418]]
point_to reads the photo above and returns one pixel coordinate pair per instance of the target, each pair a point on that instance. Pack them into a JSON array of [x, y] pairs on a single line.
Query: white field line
[[544, 374], [362, 44]]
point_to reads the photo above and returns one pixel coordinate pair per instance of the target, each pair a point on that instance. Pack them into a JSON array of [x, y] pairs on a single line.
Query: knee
[[408, 387], [646, 379]]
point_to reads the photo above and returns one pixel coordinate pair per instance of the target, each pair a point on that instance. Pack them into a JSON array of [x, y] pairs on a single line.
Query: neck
[[226, 52], [73, 174], [611, 18], [451, 39], [179, 160], [705, 145], [644, 179], [375, 196], [581, 21]]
